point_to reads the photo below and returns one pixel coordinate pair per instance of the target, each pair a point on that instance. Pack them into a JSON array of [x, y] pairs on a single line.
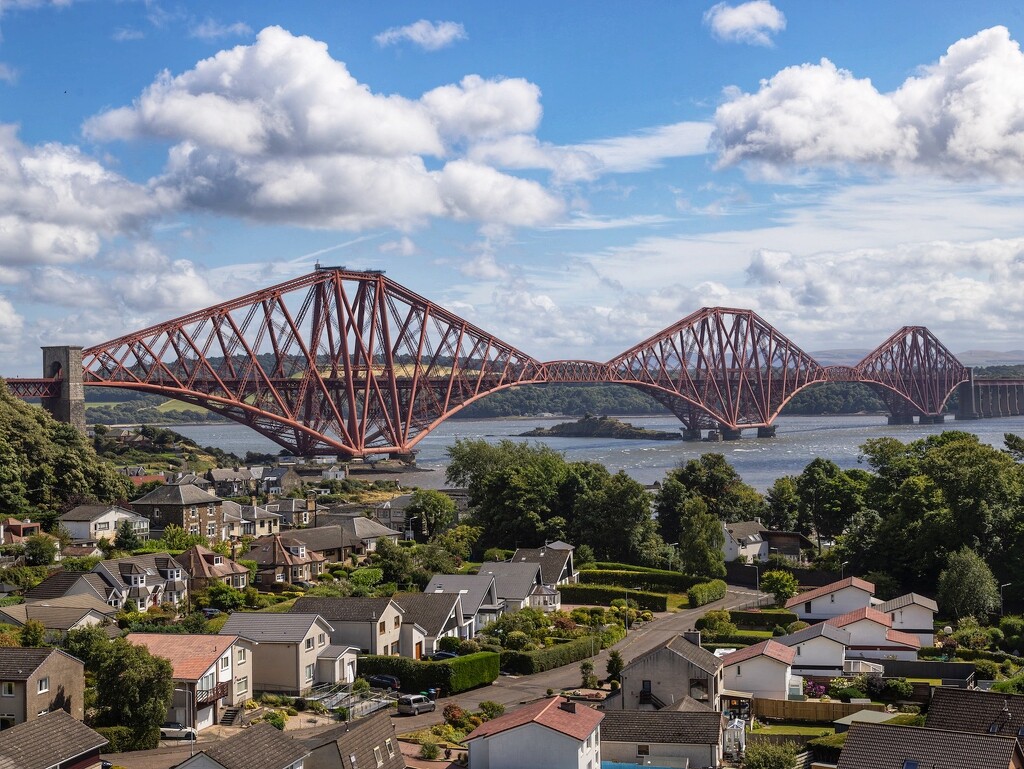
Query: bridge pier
[[968, 406], [730, 434], [65, 363], [691, 434], [766, 432], [901, 419], [931, 419]]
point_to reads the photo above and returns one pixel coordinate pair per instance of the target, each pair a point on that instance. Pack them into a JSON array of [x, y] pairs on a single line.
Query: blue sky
[[572, 177]]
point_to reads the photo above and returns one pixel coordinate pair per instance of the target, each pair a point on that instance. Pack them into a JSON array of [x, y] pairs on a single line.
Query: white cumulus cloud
[[428, 35], [479, 108], [755, 22]]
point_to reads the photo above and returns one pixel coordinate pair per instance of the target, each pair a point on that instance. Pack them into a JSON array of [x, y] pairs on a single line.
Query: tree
[[967, 587], [831, 497], [126, 538], [781, 584], [615, 520], [224, 597], [396, 562], [40, 550], [90, 644], [435, 510], [587, 678], [615, 665], [701, 540], [1014, 446], [33, 633], [717, 483], [782, 504], [134, 689], [459, 541], [176, 538]]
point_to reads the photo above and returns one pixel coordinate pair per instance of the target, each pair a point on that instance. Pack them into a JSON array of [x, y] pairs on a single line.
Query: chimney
[[693, 636], [568, 706]]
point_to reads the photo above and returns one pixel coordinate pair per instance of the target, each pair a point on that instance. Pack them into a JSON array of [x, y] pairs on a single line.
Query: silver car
[[414, 704]]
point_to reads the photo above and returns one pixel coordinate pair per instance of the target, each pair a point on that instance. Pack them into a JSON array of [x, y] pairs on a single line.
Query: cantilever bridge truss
[[351, 362]]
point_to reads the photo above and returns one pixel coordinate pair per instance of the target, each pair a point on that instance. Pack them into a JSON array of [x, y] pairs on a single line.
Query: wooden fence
[[820, 712]]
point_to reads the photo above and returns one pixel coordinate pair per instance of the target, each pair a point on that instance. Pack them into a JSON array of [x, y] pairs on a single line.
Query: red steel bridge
[[350, 362]]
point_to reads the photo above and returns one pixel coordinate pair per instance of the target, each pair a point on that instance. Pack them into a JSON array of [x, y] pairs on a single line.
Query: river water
[[758, 460]]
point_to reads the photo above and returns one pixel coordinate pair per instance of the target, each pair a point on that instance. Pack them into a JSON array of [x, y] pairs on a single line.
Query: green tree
[[1014, 446], [395, 562], [701, 540], [40, 550], [782, 504], [134, 689], [90, 644], [33, 634], [224, 597], [967, 587], [126, 538], [587, 678], [781, 584], [459, 541], [176, 538], [615, 665], [720, 487], [831, 497], [615, 520], [435, 511]]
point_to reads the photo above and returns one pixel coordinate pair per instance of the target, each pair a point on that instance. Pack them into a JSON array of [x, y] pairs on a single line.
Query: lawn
[[677, 601], [800, 730]]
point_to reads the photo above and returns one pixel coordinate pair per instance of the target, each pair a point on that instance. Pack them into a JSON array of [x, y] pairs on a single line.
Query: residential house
[[150, 579], [15, 532], [261, 746], [820, 650], [832, 600], [672, 670], [520, 584], [249, 520], [55, 740], [231, 482], [73, 583], [480, 603], [194, 480], [280, 481], [59, 615], [755, 542], [556, 563], [288, 649], [976, 711], [765, 670], [279, 562], [194, 510], [914, 614], [92, 523], [872, 636], [326, 541], [552, 732], [362, 533], [662, 738], [885, 746], [392, 513], [366, 743], [210, 673], [371, 625], [34, 682], [206, 567], [439, 614]]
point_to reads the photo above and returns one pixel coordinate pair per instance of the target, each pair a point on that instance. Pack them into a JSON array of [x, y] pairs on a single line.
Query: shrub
[[767, 755], [450, 676], [529, 662], [449, 644], [716, 624], [653, 581], [276, 718], [778, 630], [761, 620], [827, 749], [429, 750], [300, 704], [120, 739], [291, 711], [492, 709], [455, 715], [516, 640], [849, 693], [898, 689], [467, 646], [705, 592], [796, 627], [603, 595], [907, 719]]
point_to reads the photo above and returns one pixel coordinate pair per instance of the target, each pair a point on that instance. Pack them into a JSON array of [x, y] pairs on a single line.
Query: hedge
[[448, 676], [603, 595], [527, 663], [761, 620], [613, 566], [658, 582], [969, 655], [827, 748], [744, 638], [121, 739], [704, 593]]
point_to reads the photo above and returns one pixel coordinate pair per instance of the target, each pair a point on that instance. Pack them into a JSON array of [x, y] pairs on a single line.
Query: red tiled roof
[[907, 639], [190, 655], [579, 724], [768, 648], [865, 612], [810, 595]]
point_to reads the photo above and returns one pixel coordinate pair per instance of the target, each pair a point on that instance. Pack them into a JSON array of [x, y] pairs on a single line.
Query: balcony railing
[[206, 697]]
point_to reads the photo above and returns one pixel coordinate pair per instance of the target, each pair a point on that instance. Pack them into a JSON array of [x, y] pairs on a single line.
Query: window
[[103, 526], [807, 607], [382, 627], [193, 528], [390, 746], [279, 577], [43, 712], [242, 685], [309, 644], [241, 656], [211, 529], [217, 560], [798, 650], [225, 662], [394, 648], [321, 639], [739, 670], [7, 690], [643, 750], [909, 763], [309, 672], [378, 756], [206, 683], [832, 597], [44, 685], [398, 621], [993, 728], [589, 737]]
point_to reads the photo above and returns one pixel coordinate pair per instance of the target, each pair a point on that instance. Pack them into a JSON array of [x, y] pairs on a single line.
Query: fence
[[954, 671], [819, 712]]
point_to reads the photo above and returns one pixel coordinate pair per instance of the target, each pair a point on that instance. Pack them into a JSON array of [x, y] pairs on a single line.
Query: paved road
[[509, 691]]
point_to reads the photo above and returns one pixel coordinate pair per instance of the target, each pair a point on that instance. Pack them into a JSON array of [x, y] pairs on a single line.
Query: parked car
[[173, 730], [437, 656], [384, 681], [210, 612], [414, 704]]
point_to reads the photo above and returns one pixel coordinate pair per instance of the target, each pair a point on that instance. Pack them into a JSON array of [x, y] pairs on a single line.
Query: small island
[[600, 427]]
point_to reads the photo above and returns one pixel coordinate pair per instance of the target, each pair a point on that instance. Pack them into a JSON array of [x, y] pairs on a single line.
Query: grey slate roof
[[513, 581], [359, 527], [60, 582], [553, 561], [472, 588], [17, 664], [317, 538], [47, 741], [258, 747], [57, 613], [832, 632], [882, 746], [343, 609], [177, 494], [358, 738], [746, 532], [690, 652], [431, 611], [665, 726], [270, 628], [92, 512], [907, 600], [974, 710]]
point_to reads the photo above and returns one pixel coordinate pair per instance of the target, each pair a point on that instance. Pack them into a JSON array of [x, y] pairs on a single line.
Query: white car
[[172, 730]]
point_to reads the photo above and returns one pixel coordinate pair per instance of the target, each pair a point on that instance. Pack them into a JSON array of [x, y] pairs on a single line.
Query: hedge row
[[761, 620], [121, 739], [827, 748], [748, 638], [704, 593], [657, 582], [527, 663], [969, 655], [603, 595], [449, 676], [613, 566]]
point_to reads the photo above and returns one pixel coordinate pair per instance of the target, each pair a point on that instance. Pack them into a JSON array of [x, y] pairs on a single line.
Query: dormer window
[[138, 580], [217, 560], [299, 550]]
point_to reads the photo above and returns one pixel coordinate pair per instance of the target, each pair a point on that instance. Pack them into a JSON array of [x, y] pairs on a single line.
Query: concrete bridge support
[[65, 363], [766, 432], [968, 406]]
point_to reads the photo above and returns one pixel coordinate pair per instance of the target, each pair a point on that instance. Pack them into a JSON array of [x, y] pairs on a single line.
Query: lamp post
[[842, 570], [757, 580], [409, 533], [190, 721], [672, 554], [1005, 584]]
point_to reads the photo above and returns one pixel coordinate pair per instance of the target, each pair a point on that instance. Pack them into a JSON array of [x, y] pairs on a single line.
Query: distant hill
[[991, 357], [839, 357]]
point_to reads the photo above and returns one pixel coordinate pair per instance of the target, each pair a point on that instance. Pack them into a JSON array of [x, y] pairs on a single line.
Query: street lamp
[[672, 554], [190, 721], [409, 533], [1005, 584], [842, 570], [757, 580]]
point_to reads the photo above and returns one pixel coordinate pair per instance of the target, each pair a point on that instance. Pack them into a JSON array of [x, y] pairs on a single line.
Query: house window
[[309, 644], [798, 650], [193, 528], [217, 560], [206, 683], [7, 690], [739, 670], [44, 685], [378, 756], [643, 750], [398, 621], [242, 685], [382, 627], [993, 728], [390, 746], [279, 577], [225, 662], [103, 526], [321, 639], [309, 672], [211, 529], [909, 763], [807, 607], [43, 712], [241, 656], [832, 597]]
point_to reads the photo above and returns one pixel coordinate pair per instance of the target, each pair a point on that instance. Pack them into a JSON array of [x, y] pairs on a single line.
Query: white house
[[764, 669], [91, 523], [670, 672], [914, 614], [662, 737], [872, 636], [477, 593], [553, 733], [820, 650], [743, 538], [832, 600]]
